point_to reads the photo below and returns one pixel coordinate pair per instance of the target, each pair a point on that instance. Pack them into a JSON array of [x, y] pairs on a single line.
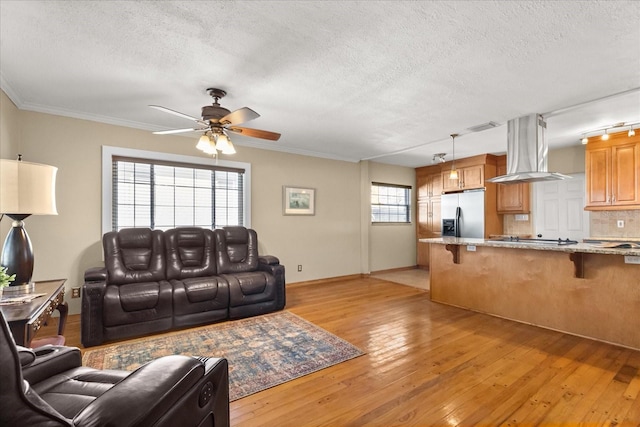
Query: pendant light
[[454, 173]]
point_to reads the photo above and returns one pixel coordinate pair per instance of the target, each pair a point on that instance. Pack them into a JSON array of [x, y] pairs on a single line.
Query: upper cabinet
[[511, 198], [469, 177], [472, 171], [613, 173], [429, 183]]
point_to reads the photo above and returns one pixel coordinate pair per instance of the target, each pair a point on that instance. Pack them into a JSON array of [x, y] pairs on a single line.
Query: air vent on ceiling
[[484, 126]]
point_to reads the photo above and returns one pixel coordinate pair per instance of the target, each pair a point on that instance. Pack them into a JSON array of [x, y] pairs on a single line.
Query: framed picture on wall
[[298, 201]]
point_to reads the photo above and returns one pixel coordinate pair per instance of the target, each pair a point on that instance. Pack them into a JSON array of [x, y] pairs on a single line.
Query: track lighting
[[439, 157], [605, 132]]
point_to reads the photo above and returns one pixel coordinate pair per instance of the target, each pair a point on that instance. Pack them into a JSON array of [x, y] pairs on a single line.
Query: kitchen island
[[581, 289]]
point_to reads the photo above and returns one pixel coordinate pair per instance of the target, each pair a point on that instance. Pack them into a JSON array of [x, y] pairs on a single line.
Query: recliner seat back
[[237, 250], [134, 255], [190, 253]]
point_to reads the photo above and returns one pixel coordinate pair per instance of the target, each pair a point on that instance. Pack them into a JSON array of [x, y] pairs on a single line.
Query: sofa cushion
[[137, 302], [139, 296], [201, 288], [71, 391], [250, 288]]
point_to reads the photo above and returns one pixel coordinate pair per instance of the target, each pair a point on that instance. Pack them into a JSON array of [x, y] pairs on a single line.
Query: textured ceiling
[[387, 81]]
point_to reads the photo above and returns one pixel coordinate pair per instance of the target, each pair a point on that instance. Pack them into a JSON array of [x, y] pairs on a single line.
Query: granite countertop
[[594, 248]]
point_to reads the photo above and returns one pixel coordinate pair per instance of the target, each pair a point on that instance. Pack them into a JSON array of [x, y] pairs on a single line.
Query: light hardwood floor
[[428, 364]]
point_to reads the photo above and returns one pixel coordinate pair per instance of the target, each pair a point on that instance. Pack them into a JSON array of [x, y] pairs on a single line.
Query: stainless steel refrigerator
[[463, 214]]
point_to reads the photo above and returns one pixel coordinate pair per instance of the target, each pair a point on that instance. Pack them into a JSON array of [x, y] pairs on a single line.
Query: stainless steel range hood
[[527, 152]]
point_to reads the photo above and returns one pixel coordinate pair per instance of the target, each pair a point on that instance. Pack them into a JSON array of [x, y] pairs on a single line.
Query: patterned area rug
[[262, 351]]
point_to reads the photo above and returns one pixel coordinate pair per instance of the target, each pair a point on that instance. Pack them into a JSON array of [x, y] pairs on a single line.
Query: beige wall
[[385, 238], [9, 143], [328, 244], [566, 160]]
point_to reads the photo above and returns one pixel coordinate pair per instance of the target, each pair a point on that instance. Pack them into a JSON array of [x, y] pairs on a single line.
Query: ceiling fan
[[216, 122]]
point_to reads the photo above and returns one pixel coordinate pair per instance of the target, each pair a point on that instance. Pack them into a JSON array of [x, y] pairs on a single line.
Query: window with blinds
[[390, 203], [163, 195]]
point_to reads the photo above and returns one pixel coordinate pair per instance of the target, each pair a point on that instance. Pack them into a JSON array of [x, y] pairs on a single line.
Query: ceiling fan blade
[[177, 113], [171, 131], [255, 133], [239, 116]]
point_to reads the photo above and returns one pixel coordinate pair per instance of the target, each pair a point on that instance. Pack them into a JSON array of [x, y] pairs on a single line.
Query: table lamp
[[25, 189]]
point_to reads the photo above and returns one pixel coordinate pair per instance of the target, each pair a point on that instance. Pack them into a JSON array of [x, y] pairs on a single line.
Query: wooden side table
[[27, 318]]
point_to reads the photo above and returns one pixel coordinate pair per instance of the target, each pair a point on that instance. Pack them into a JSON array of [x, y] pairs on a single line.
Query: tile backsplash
[[512, 227], [605, 224]]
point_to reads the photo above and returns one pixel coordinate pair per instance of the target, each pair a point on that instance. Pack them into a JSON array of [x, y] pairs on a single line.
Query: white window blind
[[390, 203], [163, 195]]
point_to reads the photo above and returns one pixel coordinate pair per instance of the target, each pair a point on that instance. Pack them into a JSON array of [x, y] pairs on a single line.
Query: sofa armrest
[[146, 395], [51, 360], [271, 265], [268, 260], [91, 324], [95, 274]]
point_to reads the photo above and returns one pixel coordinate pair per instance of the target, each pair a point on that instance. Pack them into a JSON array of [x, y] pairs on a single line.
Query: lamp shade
[[27, 188]]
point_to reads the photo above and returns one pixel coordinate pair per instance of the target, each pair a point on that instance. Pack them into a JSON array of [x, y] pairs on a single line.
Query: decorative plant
[[5, 279]]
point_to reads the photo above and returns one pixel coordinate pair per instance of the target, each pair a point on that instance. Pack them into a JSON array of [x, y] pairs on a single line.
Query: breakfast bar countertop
[[601, 247]]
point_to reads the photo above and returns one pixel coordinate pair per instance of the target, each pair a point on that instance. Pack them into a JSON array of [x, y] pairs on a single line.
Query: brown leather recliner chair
[[256, 285], [199, 296], [48, 386], [136, 297]]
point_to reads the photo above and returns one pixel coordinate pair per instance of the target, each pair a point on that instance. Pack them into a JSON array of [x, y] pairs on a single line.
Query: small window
[[390, 203]]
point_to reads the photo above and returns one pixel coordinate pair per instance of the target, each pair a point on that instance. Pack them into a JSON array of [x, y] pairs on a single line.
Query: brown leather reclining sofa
[[48, 386], [154, 281]]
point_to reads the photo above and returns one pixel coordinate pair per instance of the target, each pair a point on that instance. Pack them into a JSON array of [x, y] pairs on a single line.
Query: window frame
[[108, 152], [408, 204]]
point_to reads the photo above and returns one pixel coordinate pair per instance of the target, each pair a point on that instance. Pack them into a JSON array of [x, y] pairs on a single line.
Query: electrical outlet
[[471, 248], [75, 292], [620, 223], [299, 267], [631, 259]]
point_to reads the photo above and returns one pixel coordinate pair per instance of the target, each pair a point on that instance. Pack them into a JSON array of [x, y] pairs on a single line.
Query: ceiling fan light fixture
[[222, 142], [210, 148], [203, 143], [230, 148]]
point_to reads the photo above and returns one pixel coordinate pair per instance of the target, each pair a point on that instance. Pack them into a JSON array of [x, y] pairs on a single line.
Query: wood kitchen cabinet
[[429, 185], [469, 177], [613, 173], [512, 198], [432, 181]]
